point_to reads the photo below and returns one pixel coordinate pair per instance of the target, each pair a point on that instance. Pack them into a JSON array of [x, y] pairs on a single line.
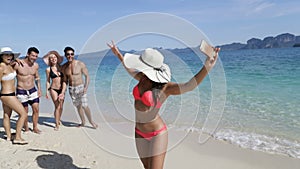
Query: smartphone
[[207, 49]]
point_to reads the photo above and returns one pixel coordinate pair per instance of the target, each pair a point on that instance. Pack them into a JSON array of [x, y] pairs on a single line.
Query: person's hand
[[113, 48], [211, 61], [61, 97], [84, 90], [40, 93], [17, 61]]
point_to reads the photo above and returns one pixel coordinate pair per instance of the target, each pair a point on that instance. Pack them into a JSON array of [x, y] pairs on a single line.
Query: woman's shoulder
[[48, 69], [2, 65]]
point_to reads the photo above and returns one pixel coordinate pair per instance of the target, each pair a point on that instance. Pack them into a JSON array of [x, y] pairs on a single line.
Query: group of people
[[28, 88], [71, 73], [153, 88]]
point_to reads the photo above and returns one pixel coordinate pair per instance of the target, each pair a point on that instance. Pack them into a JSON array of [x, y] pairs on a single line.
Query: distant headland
[[280, 41]]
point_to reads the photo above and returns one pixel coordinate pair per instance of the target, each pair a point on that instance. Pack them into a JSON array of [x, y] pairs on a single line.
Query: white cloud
[[263, 6], [267, 8]]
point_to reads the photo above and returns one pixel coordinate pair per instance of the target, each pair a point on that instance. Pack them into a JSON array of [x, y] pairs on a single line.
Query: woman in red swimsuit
[[57, 87], [153, 89]]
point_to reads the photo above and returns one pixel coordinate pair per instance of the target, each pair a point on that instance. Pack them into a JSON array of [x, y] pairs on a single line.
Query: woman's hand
[[113, 48], [211, 61], [61, 97], [116, 52], [47, 96]]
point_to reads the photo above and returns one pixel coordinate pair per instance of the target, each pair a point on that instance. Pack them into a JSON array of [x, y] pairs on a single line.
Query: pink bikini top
[[146, 98]]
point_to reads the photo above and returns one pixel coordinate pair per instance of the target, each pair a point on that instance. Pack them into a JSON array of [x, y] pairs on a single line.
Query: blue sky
[[52, 25]]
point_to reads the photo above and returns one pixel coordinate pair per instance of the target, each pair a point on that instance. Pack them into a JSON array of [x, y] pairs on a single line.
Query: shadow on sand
[[46, 121], [52, 159]]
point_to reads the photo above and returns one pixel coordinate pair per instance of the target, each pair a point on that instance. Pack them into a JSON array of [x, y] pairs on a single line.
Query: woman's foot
[[20, 141]]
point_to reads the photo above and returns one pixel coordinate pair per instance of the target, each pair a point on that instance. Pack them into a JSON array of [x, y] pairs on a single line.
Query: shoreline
[[74, 147]]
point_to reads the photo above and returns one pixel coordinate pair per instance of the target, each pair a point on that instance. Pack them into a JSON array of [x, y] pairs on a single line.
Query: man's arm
[[15, 64], [65, 79], [38, 81], [85, 72]]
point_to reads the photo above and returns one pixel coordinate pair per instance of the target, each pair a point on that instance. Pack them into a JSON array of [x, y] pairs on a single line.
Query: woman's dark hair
[[156, 87]]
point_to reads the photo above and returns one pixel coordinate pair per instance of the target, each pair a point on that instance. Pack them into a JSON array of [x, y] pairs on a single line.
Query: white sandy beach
[[71, 147]]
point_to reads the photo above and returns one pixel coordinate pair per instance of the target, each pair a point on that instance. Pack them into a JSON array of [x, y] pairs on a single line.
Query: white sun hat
[[150, 62], [8, 50]]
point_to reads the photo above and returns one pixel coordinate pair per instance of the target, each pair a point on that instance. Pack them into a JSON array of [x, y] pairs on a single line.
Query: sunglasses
[[69, 54]]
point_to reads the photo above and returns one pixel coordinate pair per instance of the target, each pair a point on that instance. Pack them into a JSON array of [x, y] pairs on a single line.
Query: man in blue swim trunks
[[27, 93]]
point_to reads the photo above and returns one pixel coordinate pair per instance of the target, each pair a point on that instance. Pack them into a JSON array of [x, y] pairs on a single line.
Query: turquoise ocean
[[261, 112]]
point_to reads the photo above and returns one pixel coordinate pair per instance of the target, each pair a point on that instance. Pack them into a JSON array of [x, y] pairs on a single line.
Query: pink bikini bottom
[[150, 135]]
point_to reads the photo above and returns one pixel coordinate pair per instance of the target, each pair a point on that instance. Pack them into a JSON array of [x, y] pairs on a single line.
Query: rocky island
[[280, 41]]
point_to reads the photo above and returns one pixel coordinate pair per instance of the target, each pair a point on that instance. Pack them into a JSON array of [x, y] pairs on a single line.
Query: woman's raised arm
[[116, 52], [180, 88]]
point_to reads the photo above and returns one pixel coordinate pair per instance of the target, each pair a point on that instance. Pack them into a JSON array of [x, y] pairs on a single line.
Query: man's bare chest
[[26, 70], [72, 70]]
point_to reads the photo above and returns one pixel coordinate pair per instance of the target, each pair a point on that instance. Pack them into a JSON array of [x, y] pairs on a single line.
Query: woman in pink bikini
[[55, 84], [153, 89]]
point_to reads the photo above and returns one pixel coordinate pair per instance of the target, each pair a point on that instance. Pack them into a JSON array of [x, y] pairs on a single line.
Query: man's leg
[[23, 98], [81, 114], [89, 116], [26, 127], [35, 117], [87, 111]]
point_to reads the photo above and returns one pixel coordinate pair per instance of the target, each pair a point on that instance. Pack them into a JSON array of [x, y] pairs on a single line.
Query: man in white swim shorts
[[73, 71], [78, 96]]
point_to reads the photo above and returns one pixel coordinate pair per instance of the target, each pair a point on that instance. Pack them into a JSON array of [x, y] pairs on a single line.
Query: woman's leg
[[159, 145], [6, 120], [60, 108], [54, 96], [15, 105], [143, 147]]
